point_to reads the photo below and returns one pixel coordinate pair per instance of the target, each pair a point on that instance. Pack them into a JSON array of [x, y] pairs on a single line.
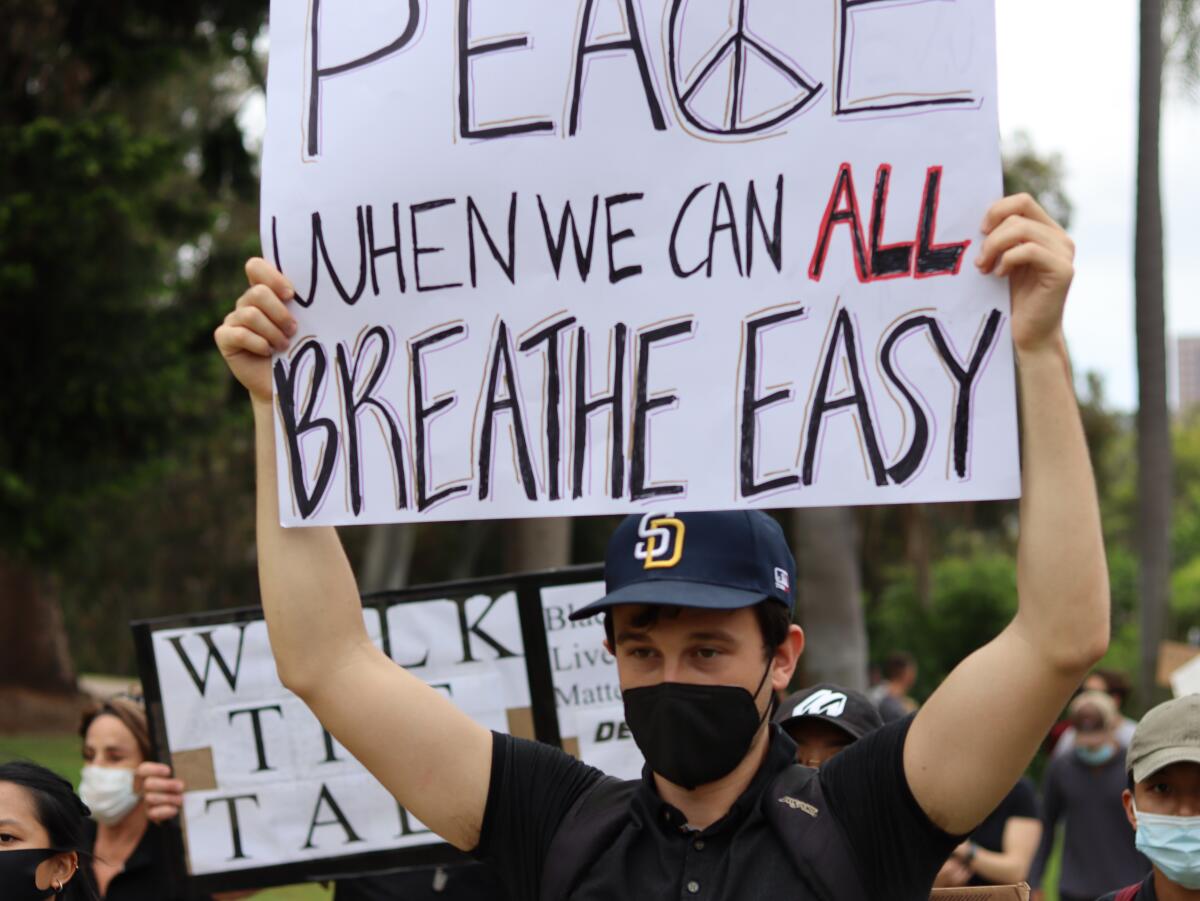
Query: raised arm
[[433, 758], [977, 733]]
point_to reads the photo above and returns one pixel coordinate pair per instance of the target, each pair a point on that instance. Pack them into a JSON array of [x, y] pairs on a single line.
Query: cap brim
[[841, 724], [673, 593], [1163, 758]]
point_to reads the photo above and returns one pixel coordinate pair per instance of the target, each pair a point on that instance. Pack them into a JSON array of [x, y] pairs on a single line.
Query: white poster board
[[1186, 679], [569, 257], [269, 789]]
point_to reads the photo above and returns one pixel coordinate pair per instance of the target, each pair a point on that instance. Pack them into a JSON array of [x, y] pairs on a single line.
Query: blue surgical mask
[[1096, 756], [1172, 844]]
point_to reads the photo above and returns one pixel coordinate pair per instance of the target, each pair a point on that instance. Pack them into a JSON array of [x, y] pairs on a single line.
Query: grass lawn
[[61, 754]]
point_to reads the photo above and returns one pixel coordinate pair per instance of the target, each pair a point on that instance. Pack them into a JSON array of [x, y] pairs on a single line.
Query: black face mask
[[17, 869], [693, 734]]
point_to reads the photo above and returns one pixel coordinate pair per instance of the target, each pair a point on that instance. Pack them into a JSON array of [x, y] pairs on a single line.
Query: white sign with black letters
[[269, 787], [569, 257]]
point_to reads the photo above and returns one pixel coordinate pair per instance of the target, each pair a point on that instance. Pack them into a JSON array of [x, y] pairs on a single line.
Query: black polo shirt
[[462, 882], [657, 855], [147, 875]]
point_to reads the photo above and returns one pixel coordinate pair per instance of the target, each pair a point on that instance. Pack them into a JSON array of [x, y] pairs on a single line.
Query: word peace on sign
[[736, 47]]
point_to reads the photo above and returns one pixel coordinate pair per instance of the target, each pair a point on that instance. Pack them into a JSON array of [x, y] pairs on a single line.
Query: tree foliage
[[110, 186]]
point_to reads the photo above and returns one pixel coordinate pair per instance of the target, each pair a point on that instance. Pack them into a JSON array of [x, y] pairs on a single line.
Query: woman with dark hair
[[42, 837]]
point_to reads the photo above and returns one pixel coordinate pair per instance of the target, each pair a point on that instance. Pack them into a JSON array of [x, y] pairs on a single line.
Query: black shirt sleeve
[[533, 786], [899, 849]]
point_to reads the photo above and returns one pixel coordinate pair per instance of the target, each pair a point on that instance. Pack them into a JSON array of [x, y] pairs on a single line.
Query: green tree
[[108, 223]]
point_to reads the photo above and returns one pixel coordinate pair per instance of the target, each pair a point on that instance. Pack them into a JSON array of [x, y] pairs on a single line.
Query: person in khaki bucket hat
[[1163, 801]]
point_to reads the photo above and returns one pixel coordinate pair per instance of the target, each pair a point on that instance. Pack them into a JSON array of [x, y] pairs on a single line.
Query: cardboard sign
[[983, 893], [272, 798], [569, 257]]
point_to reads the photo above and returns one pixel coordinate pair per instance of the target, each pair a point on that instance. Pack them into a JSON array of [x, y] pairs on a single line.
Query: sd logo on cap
[[662, 544]]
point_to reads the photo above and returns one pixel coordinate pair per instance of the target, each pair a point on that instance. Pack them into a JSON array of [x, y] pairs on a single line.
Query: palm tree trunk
[[829, 596], [538, 544], [33, 638], [1153, 426], [387, 561]]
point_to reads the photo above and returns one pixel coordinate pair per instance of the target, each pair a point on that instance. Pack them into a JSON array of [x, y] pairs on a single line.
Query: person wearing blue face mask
[[1081, 790], [1162, 802]]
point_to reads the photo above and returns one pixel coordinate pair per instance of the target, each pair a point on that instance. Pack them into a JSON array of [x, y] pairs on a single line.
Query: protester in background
[[899, 677], [1082, 789], [1162, 802], [1001, 850], [824, 719], [42, 837], [130, 795], [1116, 686]]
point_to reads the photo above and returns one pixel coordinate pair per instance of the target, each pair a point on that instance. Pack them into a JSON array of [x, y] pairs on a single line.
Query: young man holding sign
[[699, 609]]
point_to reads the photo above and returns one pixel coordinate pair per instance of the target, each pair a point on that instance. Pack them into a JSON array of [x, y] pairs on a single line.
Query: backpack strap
[[797, 810], [590, 826], [1129, 893]]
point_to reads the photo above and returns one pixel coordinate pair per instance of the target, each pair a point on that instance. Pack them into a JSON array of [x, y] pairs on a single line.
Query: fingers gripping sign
[[1035, 253], [260, 324], [161, 793]]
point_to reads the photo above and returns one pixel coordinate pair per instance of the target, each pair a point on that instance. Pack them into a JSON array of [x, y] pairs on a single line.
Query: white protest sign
[[268, 787], [587, 690], [1186, 679], [570, 257], [279, 789]]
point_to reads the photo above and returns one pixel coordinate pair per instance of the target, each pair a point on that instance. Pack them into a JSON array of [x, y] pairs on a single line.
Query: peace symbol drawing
[[741, 85]]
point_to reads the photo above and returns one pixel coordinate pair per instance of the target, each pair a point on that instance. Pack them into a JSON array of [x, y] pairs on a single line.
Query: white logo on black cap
[[822, 703], [782, 581]]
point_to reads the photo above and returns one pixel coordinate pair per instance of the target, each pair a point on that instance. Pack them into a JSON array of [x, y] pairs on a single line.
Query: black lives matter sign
[[565, 257]]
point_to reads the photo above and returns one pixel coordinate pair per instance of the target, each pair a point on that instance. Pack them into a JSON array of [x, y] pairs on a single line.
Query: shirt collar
[[781, 753]]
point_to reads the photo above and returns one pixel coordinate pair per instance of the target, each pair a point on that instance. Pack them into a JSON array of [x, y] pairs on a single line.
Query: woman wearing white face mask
[[129, 795]]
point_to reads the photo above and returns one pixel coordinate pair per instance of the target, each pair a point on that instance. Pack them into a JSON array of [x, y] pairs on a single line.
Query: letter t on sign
[[317, 73]]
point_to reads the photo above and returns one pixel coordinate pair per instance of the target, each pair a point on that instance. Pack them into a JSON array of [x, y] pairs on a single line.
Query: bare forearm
[[1062, 576], [309, 595], [1000, 868]]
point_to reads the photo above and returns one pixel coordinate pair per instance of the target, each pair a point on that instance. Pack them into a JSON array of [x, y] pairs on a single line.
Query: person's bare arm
[[434, 759], [976, 734], [1010, 865]]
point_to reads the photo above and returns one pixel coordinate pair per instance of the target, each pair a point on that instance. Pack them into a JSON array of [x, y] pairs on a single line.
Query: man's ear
[[608, 647], [56, 871], [1127, 801], [787, 656]]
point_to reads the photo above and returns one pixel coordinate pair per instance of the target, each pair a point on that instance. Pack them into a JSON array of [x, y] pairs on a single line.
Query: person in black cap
[[699, 617], [825, 719]]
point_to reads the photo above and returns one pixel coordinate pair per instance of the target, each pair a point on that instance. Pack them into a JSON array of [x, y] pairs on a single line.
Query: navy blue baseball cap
[[715, 561]]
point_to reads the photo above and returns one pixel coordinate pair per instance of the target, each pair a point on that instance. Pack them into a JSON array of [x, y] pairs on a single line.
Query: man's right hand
[[260, 324]]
